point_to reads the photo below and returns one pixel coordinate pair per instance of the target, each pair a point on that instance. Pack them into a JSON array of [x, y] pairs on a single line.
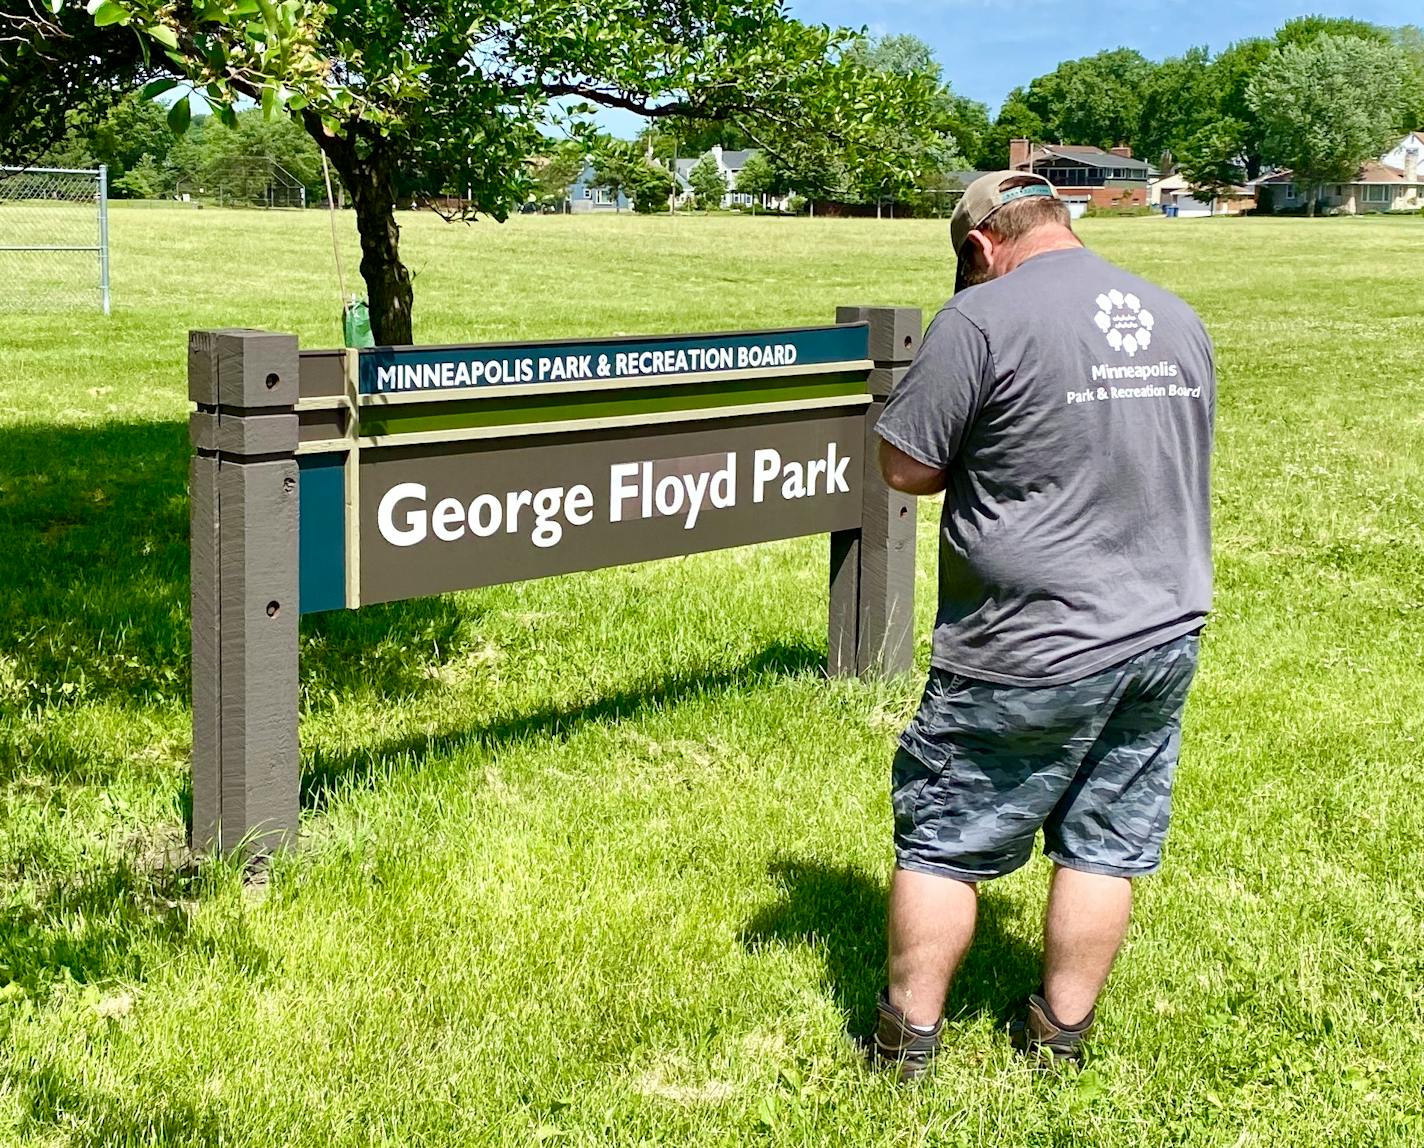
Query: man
[[1065, 408]]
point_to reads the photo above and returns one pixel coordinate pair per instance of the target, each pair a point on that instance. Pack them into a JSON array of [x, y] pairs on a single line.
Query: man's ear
[[983, 249]]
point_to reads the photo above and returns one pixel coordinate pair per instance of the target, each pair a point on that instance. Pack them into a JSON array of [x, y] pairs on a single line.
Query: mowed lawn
[[602, 859]]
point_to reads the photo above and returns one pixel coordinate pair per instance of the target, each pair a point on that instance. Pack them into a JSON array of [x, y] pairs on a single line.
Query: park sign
[[332, 479]]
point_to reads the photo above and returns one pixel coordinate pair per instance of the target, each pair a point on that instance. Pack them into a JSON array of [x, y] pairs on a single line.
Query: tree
[[957, 119], [650, 187], [615, 168], [968, 124], [555, 171], [757, 178], [1016, 120], [1410, 41], [1095, 100], [708, 182], [1327, 106], [1178, 100], [424, 98], [1211, 160], [1231, 76], [57, 68], [1303, 31], [241, 157], [144, 180], [133, 129]]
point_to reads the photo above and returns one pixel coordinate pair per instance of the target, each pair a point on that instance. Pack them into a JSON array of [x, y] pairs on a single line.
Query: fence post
[[104, 236], [872, 602], [243, 482]]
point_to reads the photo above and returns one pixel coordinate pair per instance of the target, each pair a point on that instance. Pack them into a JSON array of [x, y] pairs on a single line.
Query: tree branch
[[638, 105]]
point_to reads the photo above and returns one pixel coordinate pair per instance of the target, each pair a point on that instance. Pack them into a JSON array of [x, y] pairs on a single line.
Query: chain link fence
[[54, 238]]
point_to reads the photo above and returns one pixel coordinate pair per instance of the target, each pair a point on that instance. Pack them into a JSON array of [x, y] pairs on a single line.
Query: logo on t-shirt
[[1125, 321]]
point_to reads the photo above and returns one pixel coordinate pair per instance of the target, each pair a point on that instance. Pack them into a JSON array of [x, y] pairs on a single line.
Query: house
[[1410, 148], [585, 196], [730, 163], [1376, 187], [1085, 175], [1173, 195]]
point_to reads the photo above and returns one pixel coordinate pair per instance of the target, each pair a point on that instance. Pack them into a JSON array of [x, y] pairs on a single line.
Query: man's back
[[1072, 403]]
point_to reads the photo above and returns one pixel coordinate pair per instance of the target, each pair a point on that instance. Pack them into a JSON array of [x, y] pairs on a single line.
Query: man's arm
[[928, 416], [909, 475]]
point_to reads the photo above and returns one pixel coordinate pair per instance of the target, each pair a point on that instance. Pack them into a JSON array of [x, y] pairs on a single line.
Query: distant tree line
[[1318, 97], [210, 160], [1318, 89]]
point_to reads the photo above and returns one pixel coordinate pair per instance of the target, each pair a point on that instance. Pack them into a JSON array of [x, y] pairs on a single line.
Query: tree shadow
[[104, 924], [842, 912], [325, 772], [54, 1097], [95, 567]]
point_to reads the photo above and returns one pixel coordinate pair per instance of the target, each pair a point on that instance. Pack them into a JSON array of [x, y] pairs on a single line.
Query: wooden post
[[246, 765], [872, 603]]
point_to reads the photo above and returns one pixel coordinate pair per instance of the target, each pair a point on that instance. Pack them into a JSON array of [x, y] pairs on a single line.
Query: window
[[1290, 191], [587, 192], [603, 196], [1378, 193]]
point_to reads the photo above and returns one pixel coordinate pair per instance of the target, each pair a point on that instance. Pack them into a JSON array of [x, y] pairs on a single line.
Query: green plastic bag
[[356, 324]]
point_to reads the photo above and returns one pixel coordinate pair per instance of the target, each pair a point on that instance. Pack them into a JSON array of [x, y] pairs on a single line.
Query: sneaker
[[1038, 1035], [899, 1046]]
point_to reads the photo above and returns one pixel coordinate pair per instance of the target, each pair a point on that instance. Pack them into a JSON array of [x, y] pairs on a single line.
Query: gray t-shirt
[[1073, 405]]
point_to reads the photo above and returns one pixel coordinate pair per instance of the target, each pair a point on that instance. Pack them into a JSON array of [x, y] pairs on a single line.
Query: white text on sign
[[408, 514]]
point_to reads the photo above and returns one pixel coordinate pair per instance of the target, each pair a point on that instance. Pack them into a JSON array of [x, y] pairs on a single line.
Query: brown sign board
[[453, 516]]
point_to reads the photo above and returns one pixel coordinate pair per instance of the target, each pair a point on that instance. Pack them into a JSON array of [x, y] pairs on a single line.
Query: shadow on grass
[[327, 773], [108, 924], [54, 1098], [94, 561], [842, 911]]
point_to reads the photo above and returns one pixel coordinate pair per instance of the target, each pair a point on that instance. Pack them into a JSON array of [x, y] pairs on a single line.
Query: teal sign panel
[[454, 370], [321, 544]]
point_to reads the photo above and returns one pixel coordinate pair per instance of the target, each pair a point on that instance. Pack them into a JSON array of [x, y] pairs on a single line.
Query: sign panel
[[412, 370], [452, 516]]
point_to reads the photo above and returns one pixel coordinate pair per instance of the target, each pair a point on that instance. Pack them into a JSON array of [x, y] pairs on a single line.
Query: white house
[[730, 164], [1408, 150]]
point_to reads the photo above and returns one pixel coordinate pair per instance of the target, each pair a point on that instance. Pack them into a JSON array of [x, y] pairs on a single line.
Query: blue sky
[[988, 47]]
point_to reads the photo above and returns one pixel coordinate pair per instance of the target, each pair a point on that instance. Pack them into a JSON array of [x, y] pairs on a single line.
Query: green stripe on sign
[[497, 412]]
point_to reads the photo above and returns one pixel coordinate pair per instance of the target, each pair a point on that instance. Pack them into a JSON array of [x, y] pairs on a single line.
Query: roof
[[1091, 156], [736, 160], [1378, 173], [1371, 172]]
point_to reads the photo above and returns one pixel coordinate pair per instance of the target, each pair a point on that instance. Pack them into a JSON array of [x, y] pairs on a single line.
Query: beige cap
[[980, 200]]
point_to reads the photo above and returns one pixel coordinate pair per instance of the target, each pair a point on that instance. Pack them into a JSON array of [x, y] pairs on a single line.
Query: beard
[[976, 274]]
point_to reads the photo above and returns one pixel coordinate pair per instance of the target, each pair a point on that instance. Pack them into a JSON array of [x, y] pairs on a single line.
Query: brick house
[[1084, 175]]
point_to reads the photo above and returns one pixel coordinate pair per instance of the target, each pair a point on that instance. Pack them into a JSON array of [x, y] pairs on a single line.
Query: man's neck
[[1040, 242]]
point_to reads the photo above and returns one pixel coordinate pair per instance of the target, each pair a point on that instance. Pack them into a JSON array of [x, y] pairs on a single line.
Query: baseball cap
[[980, 200]]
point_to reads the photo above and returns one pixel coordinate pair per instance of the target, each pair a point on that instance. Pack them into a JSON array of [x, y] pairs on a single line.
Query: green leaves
[[107, 13], [1328, 105], [179, 116], [155, 88]]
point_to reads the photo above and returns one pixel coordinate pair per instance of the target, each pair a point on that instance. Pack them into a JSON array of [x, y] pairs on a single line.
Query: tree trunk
[[370, 181], [388, 289], [1310, 203]]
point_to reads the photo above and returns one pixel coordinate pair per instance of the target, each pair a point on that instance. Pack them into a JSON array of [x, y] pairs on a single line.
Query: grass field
[[602, 859]]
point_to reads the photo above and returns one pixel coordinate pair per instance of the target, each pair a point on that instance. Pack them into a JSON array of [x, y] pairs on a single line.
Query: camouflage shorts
[[982, 767]]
